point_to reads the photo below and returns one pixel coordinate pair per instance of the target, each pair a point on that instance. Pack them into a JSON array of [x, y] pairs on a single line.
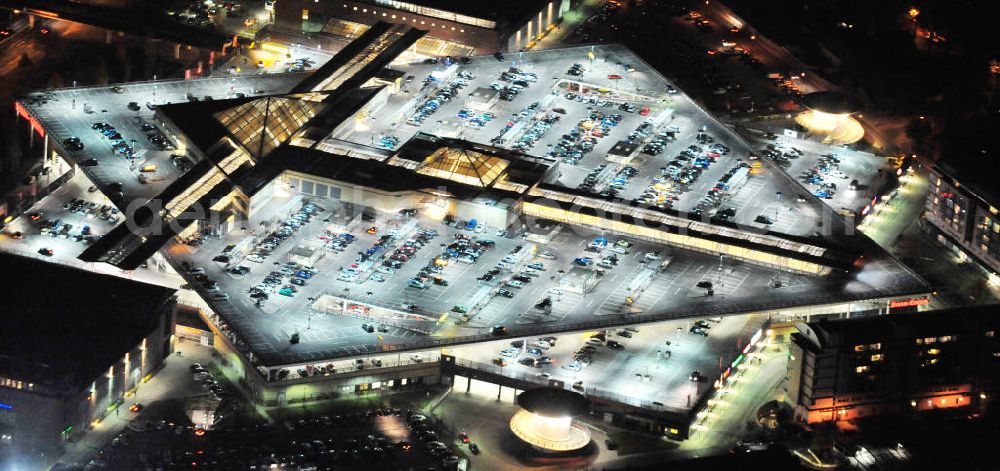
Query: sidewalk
[[165, 384], [736, 404]]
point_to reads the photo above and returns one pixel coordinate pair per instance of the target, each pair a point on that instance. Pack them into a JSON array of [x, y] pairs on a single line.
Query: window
[[861, 369], [875, 346], [877, 357], [933, 351], [990, 333], [946, 339]]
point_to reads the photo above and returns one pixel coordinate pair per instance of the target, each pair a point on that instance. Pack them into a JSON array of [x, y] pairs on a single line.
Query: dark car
[[615, 345], [134, 106], [763, 219], [89, 163], [498, 330], [498, 56]]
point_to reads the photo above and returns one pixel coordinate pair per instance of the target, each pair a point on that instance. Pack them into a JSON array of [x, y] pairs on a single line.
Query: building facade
[[852, 368], [454, 28], [63, 370], [964, 218]]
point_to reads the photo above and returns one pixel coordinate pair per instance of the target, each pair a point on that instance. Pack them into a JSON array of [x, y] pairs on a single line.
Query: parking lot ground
[[654, 367], [343, 427], [71, 112]]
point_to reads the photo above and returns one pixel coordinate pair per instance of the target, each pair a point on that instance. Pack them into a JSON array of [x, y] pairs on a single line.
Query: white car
[[256, 259], [346, 277], [542, 344], [377, 277], [479, 228], [509, 352], [575, 366], [652, 256], [555, 290], [546, 255], [385, 269], [619, 250], [515, 284]]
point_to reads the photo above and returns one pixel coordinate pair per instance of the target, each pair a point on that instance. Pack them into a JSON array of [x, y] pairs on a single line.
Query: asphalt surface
[[648, 369]]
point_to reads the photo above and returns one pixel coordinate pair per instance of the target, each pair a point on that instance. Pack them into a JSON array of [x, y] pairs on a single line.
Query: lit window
[[859, 348], [990, 333], [877, 357], [875, 346], [933, 361], [364, 10], [946, 339], [461, 30], [861, 369]]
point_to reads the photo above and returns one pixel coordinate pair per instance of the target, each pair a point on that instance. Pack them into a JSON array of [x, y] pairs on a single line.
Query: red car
[[614, 77], [464, 437], [644, 111]]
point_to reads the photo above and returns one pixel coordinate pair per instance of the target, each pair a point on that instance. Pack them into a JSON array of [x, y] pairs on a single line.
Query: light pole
[[777, 205]]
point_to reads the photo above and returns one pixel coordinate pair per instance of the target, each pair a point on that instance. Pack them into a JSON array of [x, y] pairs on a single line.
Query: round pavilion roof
[[552, 402], [831, 102]]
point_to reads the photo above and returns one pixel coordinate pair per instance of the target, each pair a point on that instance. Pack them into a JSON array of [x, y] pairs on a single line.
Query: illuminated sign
[[737, 361], [6, 406], [909, 303]]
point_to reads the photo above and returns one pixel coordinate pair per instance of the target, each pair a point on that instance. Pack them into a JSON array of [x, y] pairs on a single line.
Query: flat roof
[[64, 326], [906, 326], [503, 13], [553, 402]]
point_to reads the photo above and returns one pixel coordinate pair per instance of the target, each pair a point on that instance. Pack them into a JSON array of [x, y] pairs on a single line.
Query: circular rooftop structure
[[831, 102], [552, 402], [546, 420]]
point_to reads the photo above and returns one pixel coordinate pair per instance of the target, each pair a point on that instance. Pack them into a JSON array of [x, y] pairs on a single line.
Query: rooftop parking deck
[[623, 282], [73, 112], [383, 287], [615, 76]]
